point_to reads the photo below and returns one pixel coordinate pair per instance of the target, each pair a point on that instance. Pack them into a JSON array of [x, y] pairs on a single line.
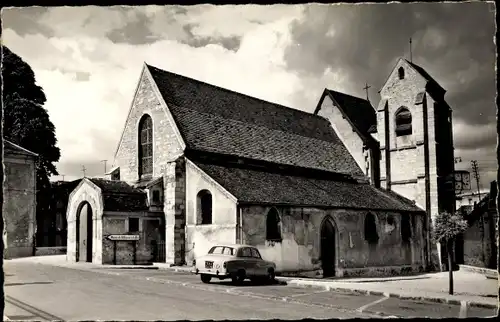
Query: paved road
[[43, 292]]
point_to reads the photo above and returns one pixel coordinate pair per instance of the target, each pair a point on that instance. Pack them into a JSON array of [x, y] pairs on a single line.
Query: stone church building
[[345, 191]]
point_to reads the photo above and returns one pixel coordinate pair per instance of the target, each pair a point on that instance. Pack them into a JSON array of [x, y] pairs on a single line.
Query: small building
[[477, 246], [98, 209], [19, 205]]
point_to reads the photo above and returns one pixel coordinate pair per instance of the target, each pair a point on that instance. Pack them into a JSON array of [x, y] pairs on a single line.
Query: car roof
[[236, 246]]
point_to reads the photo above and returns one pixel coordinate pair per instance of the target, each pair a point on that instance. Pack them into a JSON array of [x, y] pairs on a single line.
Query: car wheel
[[239, 277], [205, 278], [271, 275]]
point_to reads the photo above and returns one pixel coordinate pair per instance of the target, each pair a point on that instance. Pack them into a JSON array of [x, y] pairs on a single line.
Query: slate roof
[[422, 72], [218, 120], [120, 196], [265, 187], [13, 148], [358, 110]]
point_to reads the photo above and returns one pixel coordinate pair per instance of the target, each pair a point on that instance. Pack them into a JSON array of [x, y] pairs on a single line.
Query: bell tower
[[416, 143]]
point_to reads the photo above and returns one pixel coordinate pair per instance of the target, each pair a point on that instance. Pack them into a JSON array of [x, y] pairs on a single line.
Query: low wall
[[46, 251]]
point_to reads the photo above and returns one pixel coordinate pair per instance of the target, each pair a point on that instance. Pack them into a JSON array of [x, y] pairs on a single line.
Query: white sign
[[124, 237]]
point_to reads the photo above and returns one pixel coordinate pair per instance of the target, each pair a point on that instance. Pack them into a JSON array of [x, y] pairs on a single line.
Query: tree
[[27, 123], [446, 229]]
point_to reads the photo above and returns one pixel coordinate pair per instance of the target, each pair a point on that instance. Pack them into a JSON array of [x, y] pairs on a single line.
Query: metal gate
[[160, 256]]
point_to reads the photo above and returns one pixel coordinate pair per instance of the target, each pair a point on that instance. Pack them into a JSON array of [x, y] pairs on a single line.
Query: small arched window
[[371, 234], [145, 147], [401, 73], [405, 228], [273, 227], [403, 122], [204, 201]]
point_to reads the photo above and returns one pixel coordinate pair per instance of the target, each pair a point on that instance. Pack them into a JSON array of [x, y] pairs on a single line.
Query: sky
[[88, 61]]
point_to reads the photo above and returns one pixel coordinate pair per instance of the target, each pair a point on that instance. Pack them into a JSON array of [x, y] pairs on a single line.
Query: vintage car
[[237, 262]]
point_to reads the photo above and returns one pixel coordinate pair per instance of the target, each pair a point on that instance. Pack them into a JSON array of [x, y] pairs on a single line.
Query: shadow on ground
[[28, 283]]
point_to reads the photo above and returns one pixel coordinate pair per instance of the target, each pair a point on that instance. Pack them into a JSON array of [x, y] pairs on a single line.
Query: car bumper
[[217, 273]]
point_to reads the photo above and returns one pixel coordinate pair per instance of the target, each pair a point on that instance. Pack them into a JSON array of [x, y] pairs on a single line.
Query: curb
[[394, 295]]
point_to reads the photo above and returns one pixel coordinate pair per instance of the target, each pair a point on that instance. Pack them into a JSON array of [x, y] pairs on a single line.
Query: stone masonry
[[175, 211]]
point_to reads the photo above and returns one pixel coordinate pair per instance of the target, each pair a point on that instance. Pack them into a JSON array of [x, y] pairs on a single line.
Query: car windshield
[[221, 250]]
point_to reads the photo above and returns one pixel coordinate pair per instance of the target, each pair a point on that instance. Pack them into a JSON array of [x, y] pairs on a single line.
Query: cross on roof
[[366, 89]]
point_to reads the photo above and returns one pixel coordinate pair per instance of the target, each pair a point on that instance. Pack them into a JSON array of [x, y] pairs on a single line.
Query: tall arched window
[[273, 228], [405, 228], [401, 73], [403, 122], [204, 201], [145, 147], [371, 234]]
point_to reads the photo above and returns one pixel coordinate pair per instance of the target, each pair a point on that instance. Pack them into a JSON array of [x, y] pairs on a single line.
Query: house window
[[405, 228], [273, 227], [403, 122], [133, 225], [145, 147], [156, 196], [204, 207], [371, 234], [401, 73]]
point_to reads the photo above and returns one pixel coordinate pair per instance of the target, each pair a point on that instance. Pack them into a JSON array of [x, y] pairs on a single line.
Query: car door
[[247, 261], [259, 264]]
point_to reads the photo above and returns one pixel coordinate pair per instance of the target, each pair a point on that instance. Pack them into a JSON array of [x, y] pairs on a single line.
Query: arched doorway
[[84, 233], [328, 247]]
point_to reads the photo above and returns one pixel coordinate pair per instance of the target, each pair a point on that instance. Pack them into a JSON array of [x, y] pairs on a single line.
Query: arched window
[[273, 228], [403, 122], [371, 235], [204, 201], [401, 73], [145, 147], [405, 228]]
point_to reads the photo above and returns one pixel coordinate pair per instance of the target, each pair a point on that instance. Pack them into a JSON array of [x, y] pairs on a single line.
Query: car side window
[[255, 253], [245, 252], [216, 250]]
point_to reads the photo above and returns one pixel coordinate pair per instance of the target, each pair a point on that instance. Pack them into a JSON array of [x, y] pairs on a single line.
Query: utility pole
[[475, 171], [366, 89], [411, 54], [104, 165], [84, 170]]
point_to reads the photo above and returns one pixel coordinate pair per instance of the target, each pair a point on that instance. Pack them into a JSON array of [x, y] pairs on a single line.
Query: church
[[349, 190]]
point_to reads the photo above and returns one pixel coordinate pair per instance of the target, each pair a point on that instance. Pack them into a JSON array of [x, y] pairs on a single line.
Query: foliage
[[26, 121], [448, 226]]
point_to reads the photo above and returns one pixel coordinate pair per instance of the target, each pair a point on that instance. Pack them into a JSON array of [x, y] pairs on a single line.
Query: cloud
[[88, 60]]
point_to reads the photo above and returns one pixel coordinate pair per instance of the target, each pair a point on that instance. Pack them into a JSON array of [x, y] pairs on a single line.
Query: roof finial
[[366, 89], [411, 54]]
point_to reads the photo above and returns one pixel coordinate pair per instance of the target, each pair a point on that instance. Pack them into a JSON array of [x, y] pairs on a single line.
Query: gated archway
[[84, 236], [84, 218]]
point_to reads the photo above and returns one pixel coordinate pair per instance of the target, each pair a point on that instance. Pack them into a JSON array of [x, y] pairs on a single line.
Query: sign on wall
[[123, 237]]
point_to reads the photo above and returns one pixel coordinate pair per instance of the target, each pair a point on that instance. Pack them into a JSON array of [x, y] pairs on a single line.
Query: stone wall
[[166, 146], [200, 238], [174, 183], [117, 224], [344, 130], [479, 241], [300, 248], [19, 206]]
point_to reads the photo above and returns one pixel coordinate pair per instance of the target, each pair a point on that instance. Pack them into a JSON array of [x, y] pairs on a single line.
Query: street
[[45, 292]]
